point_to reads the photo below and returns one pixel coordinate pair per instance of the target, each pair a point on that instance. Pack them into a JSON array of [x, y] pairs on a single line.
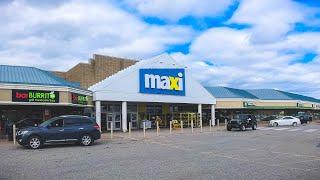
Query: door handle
[[81, 128], [61, 130]]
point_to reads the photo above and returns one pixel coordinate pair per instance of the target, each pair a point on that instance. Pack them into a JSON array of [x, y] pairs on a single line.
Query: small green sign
[[79, 99]]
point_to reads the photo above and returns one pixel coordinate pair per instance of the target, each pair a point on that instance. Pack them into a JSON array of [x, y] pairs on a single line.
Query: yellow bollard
[[111, 131], [144, 129], [158, 129], [14, 133], [130, 126], [191, 125]]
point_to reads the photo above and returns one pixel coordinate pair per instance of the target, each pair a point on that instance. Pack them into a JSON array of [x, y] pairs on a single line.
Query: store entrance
[[114, 116], [132, 117], [114, 119]]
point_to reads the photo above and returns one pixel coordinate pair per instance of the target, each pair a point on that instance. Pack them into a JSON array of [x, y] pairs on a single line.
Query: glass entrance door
[[132, 117], [115, 120]]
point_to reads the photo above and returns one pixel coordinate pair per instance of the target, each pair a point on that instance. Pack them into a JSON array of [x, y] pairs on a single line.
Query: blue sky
[[235, 43]]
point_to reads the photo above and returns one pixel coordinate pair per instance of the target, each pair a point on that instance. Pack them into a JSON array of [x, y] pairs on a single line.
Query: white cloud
[[264, 55], [271, 19], [77, 29], [175, 10], [238, 62]]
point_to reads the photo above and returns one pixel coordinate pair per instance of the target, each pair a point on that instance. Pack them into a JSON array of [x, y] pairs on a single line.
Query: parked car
[[242, 121], [286, 120], [61, 129], [24, 123], [305, 119]]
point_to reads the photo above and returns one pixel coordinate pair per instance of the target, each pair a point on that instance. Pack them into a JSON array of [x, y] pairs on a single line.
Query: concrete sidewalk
[[164, 132]]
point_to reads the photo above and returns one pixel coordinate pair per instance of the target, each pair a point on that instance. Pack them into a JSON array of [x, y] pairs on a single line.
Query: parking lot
[[267, 153]]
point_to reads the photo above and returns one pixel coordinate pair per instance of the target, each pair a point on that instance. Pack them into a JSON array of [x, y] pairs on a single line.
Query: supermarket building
[[157, 88]]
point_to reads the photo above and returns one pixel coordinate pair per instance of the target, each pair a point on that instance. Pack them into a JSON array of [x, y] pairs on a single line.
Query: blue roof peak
[[226, 92], [32, 75], [263, 94]]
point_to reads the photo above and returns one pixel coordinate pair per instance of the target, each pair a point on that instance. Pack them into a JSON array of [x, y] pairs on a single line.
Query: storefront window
[[113, 107], [154, 109], [132, 108]]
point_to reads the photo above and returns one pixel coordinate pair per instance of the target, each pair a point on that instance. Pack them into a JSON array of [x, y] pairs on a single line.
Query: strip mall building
[[122, 91], [28, 92], [161, 87]]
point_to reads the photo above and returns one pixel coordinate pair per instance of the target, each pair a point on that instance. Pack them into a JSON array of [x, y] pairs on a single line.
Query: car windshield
[[19, 122], [241, 116], [47, 122]]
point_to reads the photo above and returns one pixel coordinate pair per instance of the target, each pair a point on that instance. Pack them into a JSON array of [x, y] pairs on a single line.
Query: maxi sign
[[35, 96], [162, 81]]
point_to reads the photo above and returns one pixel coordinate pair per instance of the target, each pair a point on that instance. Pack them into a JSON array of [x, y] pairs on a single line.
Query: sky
[[233, 43]]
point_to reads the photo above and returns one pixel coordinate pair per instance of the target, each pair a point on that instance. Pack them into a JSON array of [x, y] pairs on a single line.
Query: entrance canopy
[[159, 79]]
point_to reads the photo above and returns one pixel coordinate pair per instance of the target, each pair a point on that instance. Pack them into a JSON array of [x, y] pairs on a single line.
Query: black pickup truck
[[242, 121], [305, 119]]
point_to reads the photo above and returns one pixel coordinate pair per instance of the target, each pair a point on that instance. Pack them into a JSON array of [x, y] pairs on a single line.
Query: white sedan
[[286, 120]]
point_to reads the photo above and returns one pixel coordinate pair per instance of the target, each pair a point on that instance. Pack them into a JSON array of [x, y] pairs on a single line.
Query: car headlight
[[22, 132]]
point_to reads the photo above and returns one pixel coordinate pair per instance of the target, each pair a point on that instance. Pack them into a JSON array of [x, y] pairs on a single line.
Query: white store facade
[[156, 87]]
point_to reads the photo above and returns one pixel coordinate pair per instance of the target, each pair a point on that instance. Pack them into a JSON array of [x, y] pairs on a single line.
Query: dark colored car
[[305, 119], [61, 129], [242, 121], [24, 123]]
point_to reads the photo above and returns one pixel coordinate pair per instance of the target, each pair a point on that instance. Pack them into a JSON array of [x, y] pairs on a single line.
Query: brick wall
[[98, 68]]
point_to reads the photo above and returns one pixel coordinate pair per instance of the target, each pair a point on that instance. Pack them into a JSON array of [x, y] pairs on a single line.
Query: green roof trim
[[277, 107]]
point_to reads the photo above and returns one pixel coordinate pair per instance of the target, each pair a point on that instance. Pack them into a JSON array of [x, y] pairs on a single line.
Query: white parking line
[[280, 129], [294, 129], [310, 130]]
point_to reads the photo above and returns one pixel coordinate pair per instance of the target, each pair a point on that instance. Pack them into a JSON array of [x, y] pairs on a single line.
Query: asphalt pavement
[[267, 153]]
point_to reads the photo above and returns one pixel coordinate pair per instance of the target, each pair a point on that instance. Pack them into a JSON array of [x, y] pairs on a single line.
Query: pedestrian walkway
[[164, 132]]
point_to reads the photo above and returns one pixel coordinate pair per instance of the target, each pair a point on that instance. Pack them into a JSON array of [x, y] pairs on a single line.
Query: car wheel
[[275, 124], [34, 142], [229, 128], [294, 124], [86, 140], [243, 128], [254, 127]]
